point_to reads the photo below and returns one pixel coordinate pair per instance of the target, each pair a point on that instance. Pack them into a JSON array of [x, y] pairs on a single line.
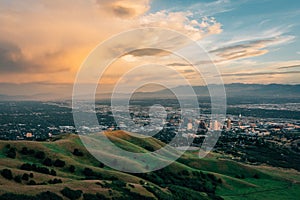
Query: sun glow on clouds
[[50, 40], [46, 41]]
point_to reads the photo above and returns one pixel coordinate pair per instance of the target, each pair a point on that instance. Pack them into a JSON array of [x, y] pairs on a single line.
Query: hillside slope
[[63, 167]]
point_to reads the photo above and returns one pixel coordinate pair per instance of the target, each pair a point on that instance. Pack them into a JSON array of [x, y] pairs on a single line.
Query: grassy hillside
[[63, 167]]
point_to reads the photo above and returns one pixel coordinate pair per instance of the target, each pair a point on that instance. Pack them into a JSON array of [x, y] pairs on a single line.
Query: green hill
[[63, 169]]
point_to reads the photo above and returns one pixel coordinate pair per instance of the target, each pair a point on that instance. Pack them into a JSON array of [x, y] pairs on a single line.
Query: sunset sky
[[43, 43]]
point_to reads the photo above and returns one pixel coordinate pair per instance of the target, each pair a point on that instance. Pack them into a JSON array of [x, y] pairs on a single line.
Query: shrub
[[93, 196], [55, 181], [47, 162], [31, 151], [24, 151], [43, 170], [59, 163], [88, 172], [53, 172], [72, 168], [256, 176], [25, 177], [11, 153], [101, 165], [31, 175], [18, 179], [118, 183], [31, 182], [11, 196], [49, 196], [6, 173], [34, 167], [76, 152], [26, 166], [71, 194], [40, 155]]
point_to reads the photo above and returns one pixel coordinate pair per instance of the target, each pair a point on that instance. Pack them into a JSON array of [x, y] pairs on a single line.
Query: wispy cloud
[[289, 67], [212, 8], [261, 73], [250, 48]]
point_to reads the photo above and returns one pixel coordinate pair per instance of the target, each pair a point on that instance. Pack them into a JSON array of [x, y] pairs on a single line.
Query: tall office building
[[228, 125]]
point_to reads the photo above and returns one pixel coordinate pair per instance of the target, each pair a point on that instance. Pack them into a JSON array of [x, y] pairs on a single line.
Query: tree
[[71, 194], [18, 179], [40, 155], [76, 152], [6, 173], [25, 177], [49, 196], [47, 162], [24, 151], [59, 163], [31, 182], [11, 153], [72, 168], [53, 172]]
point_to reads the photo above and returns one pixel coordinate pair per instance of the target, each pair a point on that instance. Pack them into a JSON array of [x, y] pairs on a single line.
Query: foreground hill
[[63, 169]]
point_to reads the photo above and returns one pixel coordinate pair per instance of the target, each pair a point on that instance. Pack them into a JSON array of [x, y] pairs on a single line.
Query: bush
[[93, 196], [31, 151], [47, 162], [256, 176], [43, 170], [31, 182], [55, 181], [76, 152], [33, 167], [49, 196], [25, 177], [53, 172], [26, 166], [101, 165], [6, 173], [11, 153], [88, 172], [18, 179], [59, 163], [118, 183], [71, 194], [24, 151], [72, 168], [11, 196], [31, 175], [40, 155]]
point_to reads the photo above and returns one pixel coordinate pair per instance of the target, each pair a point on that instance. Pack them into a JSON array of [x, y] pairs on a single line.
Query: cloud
[[180, 21], [213, 7], [11, 57], [177, 64], [12, 60], [124, 8], [289, 67], [148, 52], [249, 48], [261, 73]]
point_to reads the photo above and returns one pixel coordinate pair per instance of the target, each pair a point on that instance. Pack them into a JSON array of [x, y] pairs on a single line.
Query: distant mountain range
[[235, 90]]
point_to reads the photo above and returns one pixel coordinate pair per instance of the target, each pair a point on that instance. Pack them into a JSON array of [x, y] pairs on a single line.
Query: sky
[[44, 43]]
